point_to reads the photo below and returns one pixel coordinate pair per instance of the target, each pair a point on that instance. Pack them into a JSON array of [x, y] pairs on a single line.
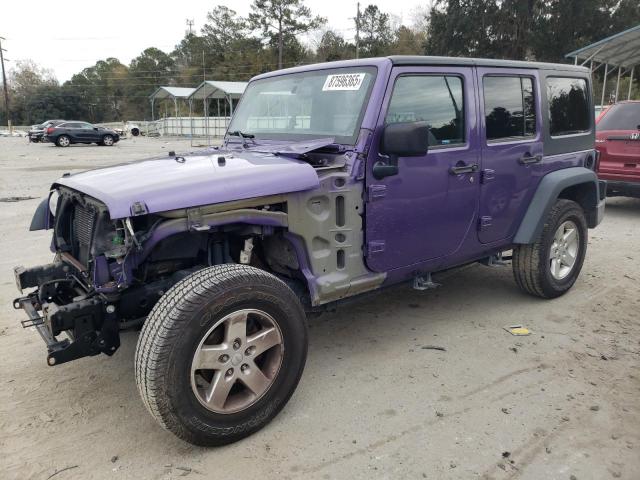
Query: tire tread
[[527, 259], [165, 324]]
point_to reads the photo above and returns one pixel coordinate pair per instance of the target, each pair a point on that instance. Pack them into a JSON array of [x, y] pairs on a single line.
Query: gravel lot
[[562, 403]]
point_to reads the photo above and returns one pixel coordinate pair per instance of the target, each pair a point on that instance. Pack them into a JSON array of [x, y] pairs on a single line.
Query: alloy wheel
[[237, 361], [564, 250]]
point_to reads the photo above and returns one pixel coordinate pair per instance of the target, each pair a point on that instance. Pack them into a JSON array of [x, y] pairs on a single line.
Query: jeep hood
[[170, 183]]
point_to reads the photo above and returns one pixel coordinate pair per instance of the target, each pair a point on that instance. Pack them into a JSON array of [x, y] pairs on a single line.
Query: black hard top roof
[[481, 62]]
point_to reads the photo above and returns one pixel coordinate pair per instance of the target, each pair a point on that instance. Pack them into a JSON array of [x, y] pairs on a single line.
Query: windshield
[[298, 106], [623, 116]]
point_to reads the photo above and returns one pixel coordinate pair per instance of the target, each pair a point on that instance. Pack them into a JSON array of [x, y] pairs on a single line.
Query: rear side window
[[568, 106], [435, 99], [623, 116], [509, 107]]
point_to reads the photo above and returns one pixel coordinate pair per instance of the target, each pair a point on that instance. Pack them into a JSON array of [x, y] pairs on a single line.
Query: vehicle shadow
[[625, 207]]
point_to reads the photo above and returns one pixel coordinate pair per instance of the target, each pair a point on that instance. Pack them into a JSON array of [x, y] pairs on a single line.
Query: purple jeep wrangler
[[333, 180]]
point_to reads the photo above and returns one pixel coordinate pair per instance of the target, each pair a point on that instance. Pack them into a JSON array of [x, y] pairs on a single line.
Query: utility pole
[[190, 25], [4, 84], [358, 31], [204, 71]]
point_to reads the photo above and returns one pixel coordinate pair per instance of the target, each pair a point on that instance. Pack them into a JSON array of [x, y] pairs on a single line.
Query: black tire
[[174, 330], [63, 141], [135, 132], [107, 140], [532, 262]]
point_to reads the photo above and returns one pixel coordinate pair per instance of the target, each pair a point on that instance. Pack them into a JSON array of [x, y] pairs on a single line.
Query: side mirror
[[95, 128], [407, 139]]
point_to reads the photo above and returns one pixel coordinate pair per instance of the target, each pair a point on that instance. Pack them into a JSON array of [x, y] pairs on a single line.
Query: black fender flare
[[42, 218], [549, 190]]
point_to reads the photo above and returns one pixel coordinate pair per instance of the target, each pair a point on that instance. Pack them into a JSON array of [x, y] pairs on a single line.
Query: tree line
[[235, 48]]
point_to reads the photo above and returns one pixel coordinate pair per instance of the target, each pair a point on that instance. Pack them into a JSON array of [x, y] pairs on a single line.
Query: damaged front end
[[84, 294], [108, 273]]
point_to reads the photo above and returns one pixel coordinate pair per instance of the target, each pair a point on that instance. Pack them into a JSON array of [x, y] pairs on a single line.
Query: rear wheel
[[550, 266], [107, 140], [221, 353], [63, 141]]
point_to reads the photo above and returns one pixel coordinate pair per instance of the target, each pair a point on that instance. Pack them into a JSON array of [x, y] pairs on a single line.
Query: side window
[[435, 99], [509, 107], [568, 106]]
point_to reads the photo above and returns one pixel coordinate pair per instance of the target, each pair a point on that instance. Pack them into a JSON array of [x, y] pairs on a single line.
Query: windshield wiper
[[244, 137]]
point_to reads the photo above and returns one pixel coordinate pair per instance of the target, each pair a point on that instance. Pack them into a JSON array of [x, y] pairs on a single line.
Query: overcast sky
[[67, 36]]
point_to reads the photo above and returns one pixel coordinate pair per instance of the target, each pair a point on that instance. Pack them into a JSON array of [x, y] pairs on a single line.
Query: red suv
[[618, 141]]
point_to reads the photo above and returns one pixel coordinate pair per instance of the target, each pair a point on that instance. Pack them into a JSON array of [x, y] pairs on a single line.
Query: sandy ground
[[562, 403]]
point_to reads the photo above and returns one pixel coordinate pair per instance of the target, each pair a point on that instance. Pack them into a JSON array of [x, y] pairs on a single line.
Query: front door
[[87, 133], [511, 148], [427, 209]]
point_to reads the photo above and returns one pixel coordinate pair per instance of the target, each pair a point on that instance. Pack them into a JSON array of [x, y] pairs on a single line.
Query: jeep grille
[[83, 226]]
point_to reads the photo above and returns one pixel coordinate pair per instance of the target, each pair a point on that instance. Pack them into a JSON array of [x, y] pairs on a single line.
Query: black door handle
[[529, 159], [461, 168]]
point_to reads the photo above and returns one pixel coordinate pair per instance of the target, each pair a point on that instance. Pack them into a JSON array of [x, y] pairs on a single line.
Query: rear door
[[72, 129], [618, 139], [511, 148]]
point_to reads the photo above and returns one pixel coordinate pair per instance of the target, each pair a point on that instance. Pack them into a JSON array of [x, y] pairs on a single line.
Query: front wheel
[[550, 266], [107, 140], [221, 353]]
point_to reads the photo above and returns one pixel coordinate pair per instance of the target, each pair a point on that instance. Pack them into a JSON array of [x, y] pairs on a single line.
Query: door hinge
[[375, 246], [484, 222], [487, 175], [376, 191]]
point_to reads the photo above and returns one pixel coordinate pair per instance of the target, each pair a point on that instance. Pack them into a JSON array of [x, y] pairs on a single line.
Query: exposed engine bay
[[108, 274]]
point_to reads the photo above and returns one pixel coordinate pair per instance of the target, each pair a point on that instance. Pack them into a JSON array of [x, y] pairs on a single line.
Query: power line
[[4, 83], [358, 31]]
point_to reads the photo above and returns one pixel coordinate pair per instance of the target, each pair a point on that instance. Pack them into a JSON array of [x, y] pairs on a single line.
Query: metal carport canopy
[[620, 50], [171, 92], [216, 89], [174, 93], [220, 90]]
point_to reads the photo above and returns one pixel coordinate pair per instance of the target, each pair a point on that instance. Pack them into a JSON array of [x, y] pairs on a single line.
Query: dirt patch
[[15, 199]]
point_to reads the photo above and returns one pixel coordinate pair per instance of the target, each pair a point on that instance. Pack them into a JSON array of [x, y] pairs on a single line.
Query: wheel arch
[[575, 183], [278, 253]]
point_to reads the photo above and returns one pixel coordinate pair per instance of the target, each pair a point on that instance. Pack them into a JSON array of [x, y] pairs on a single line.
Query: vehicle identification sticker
[[343, 81]]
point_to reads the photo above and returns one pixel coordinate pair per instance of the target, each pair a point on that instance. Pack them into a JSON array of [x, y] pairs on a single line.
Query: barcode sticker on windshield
[[344, 81]]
